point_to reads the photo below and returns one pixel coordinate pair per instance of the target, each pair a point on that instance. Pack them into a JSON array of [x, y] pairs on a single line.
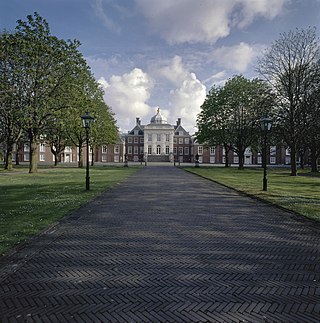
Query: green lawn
[[300, 194], [29, 203]]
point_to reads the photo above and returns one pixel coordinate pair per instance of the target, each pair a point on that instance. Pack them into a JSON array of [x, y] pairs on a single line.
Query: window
[[136, 132], [236, 159], [26, 147], [174, 150], [200, 150], [116, 149], [273, 150], [136, 140], [104, 157], [186, 151], [180, 151], [68, 149], [223, 151], [104, 148], [141, 140], [42, 159], [26, 157], [186, 140], [174, 140], [180, 141], [259, 160], [158, 137], [167, 137], [149, 150], [272, 160], [136, 150], [42, 148], [129, 140], [141, 149], [167, 150], [158, 149], [212, 159], [212, 151], [149, 137], [129, 150]]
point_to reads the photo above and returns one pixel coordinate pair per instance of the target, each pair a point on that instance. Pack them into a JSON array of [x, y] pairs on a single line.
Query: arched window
[[158, 150]]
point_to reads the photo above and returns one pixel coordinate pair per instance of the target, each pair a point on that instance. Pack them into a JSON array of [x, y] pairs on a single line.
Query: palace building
[[158, 141]]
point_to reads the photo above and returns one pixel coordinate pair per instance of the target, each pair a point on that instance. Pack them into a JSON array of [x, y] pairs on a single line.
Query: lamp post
[[266, 124], [87, 121]]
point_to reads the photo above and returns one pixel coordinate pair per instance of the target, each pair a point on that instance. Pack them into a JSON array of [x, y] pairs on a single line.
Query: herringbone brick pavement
[[167, 246]]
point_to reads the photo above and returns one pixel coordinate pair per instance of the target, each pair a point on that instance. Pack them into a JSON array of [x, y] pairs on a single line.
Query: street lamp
[[266, 124], [87, 121]]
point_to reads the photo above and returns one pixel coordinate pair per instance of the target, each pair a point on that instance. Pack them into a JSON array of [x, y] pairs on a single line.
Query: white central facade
[[158, 137]]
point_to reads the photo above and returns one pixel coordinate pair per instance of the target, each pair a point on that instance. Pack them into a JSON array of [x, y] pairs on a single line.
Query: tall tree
[[212, 122], [230, 115], [45, 64], [290, 68], [10, 112]]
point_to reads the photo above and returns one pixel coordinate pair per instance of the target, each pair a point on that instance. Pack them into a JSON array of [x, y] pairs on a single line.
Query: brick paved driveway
[[167, 246]]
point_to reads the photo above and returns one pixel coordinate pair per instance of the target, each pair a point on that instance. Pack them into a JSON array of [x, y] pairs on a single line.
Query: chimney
[[138, 121], [178, 122]]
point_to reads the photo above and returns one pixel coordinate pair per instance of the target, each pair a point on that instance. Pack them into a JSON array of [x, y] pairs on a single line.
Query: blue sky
[[166, 53]]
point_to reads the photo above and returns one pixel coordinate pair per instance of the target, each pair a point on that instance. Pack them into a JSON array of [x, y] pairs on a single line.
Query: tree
[[212, 122], [45, 64], [104, 131], [290, 68], [231, 115], [10, 112]]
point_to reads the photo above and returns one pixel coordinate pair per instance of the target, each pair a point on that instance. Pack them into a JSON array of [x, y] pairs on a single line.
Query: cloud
[[128, 95], [189, 21], [98, 8], [187, 96], [236, 58]]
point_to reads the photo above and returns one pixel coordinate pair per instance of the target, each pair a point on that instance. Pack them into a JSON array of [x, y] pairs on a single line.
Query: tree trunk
[[241, 160], [226, 162], [56, 158], [33, 165], [92, 157], [8, 158], [314, 159], [293, 161], [80, 161], [302, 160]]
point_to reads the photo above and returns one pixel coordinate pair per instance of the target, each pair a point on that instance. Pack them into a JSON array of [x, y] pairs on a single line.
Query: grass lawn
[[31, 202], [300, 193]]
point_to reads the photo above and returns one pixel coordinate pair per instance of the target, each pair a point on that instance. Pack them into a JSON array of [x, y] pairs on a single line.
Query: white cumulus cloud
[[128, 94], [188, 93], [190, 21], [236, 58]]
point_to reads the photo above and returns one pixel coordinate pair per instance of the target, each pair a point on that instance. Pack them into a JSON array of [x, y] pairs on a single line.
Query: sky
[[167, 54]]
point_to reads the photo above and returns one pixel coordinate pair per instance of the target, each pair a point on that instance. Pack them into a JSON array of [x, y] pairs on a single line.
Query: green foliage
[[30, 203], [231, 115], [48, 86]]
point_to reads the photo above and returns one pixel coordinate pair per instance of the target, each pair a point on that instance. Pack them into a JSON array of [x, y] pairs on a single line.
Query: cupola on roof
[[158, 118]]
